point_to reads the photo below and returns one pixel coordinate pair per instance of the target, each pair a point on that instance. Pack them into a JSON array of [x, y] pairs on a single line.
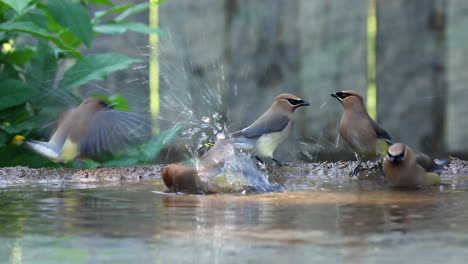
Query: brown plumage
[[359, 130], [181, 178], [402, 169]]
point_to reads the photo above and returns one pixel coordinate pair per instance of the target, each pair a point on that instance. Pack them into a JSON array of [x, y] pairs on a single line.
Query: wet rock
[[293, 173]]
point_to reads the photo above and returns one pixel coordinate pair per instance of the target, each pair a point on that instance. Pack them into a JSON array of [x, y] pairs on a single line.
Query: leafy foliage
[[36, 36]]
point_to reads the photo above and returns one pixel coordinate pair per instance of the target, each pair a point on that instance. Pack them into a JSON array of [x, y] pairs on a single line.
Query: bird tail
[[181, 178]]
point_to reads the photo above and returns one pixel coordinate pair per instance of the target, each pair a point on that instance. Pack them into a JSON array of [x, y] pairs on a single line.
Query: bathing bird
[[92, 129], [359, 130], [271, 129], [401, 168]]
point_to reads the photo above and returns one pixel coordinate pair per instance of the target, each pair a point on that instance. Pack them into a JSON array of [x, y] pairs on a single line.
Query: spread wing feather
[[111, 130]]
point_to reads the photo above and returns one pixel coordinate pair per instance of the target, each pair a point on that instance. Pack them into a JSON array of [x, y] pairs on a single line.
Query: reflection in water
[[135, 223]]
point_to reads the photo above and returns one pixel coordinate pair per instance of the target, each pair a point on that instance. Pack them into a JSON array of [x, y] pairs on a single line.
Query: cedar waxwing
[[264, 135], [222, 169], [89, 130], [402, 169], [357, 128]]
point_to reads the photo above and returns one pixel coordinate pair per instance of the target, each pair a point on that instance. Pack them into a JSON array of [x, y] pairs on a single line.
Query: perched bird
[[90, 130], [357, 128], [402, 169], [264, 135]]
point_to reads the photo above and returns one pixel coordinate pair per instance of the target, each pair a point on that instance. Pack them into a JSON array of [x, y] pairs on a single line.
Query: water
[[138, 223]]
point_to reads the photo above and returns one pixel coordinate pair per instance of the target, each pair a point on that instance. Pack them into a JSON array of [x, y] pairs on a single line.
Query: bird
[[224, 168], [179, 177], [90, 130], [272, 128], [402, 169], [359, 130]]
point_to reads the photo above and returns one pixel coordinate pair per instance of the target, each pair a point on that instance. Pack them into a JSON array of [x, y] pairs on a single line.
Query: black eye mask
[[295, 102]]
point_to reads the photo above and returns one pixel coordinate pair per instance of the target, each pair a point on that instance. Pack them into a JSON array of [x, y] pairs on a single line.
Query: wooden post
[[332, 54], [457, 78], [411, 72]]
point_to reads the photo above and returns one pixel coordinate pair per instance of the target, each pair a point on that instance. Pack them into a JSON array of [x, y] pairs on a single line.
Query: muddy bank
[[457, 170]]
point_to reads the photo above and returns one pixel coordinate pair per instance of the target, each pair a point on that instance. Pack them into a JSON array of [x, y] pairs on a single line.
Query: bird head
[[348, 97], [290, 102], [396, 153], [95, 104]]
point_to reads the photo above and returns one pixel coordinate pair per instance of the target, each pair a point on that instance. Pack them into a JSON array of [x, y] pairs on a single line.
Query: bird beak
[[336, 96], [304, 103]]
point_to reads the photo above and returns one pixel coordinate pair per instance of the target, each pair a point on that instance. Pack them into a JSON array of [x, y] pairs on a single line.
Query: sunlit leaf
[[17, 5], [14, 92], [74, 17], [115, 28], [101, 2], [94, 67], [117, 101]]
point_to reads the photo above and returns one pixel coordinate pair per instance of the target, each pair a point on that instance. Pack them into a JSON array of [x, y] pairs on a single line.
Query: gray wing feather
[[265, 124], [111, 130], [381, 133]]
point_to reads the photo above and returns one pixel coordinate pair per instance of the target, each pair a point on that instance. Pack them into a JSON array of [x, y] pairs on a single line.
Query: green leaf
[[94, 67], [17, 5], [17, 128], [41, 72], [101, 2], [19, 56], [38, 17], [152, 149], [132, 11], [33, 29], [117, 101], [115, 28], [14, 92], [3, 139], [101, 14], [74, 17]]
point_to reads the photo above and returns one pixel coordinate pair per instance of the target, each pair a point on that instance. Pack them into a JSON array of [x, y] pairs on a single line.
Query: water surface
[[138, 223]]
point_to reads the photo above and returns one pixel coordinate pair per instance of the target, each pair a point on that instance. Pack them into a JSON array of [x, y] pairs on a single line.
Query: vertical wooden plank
[[262, 54], [457, 77], [191, 57], [333, 57], [411, 71]]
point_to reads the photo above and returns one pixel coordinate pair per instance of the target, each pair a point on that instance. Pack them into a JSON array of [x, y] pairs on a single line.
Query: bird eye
[[295, 102], [105, 105], [342, 95]]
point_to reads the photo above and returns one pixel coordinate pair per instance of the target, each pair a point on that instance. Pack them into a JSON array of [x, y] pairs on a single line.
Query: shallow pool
[[138, 223]]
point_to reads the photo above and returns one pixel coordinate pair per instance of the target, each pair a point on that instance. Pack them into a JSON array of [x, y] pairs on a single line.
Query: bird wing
[[381, 133], [63, 125], [264, 124], [110, 130]]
